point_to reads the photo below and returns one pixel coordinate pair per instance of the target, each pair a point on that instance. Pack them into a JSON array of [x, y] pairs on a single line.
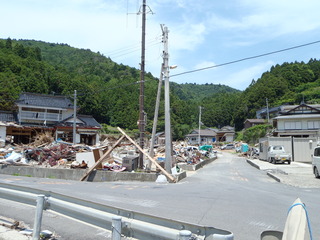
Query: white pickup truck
[[277, 154]]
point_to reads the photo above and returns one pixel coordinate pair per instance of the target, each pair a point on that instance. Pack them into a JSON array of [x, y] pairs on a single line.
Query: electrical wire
[[245, 59], [132, 48]]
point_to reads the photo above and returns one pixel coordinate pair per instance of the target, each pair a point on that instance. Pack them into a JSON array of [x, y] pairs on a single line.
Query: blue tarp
[[244, 147], [205, 147]]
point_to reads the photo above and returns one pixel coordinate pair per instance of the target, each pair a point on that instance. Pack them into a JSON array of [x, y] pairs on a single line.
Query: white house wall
[[3, 130], [300, 124]]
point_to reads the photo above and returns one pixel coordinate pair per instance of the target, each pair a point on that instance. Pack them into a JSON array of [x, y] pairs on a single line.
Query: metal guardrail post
[[116, 227], [38, 217], [184, 235]]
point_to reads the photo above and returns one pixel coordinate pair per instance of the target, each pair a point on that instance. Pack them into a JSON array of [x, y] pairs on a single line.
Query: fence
[[119, 221]]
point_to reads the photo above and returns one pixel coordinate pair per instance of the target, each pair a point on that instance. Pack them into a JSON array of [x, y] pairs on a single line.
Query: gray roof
[[88, 121], [203, 132], [300, 116], [259, 120], [42, 100]]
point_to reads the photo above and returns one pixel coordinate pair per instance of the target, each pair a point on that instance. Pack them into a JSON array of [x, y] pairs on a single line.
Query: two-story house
[[297, 128], [298, 121], [39, 112]]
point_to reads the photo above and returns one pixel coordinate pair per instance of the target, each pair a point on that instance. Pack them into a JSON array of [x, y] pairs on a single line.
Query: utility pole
[[168, 146], [155, 118], [199, 126], [267, 110], [75, 117], [142, 73]]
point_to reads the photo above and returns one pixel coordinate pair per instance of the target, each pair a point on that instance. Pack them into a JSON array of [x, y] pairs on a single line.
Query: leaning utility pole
[[75, 118], [168, 150], [155, 118], [142, 73]]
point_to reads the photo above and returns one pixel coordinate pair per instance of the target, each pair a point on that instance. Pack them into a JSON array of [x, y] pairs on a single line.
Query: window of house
[[292, 125], [313, 124]]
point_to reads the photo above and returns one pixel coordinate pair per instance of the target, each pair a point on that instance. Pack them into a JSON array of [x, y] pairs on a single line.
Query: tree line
[[110, 92]]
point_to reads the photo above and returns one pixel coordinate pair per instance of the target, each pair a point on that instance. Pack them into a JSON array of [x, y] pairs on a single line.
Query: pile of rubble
[[51, 155], [45, 152], [183, 153]]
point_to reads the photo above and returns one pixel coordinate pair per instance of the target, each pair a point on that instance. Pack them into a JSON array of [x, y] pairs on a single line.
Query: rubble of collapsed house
[[45, 152]]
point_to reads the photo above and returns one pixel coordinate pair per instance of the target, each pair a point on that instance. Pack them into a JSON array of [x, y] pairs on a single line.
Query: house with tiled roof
[[248, 123], [298, 121], [40, 112], [204, 136]]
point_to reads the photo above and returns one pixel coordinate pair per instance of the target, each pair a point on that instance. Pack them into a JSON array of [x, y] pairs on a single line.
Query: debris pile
[[45, 152], [183, 153]]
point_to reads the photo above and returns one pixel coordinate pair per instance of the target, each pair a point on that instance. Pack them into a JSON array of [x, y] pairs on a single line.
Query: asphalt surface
[[296, 174]]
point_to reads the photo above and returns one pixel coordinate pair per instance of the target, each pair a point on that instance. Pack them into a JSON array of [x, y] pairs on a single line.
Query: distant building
[[226, 134], [209, 135], [298, 121], [39, 112], [248, 123]]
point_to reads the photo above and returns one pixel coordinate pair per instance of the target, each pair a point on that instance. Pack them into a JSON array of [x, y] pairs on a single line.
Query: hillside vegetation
[[110, 91]]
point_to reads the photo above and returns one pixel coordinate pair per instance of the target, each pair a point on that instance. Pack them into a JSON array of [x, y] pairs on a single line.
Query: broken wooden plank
[[148, 156], [101, 158]]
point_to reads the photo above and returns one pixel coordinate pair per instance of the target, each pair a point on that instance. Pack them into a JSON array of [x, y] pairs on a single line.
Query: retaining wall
[[76, 174]]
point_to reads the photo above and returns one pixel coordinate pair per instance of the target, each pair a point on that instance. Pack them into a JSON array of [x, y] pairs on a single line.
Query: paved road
[[228, 194]]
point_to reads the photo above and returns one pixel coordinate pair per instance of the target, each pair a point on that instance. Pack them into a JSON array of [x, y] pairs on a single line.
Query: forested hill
[[106, 90], [193, 91], [110, 91]]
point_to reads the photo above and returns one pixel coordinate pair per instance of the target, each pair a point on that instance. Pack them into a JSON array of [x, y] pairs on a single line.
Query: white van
[[316, 162]]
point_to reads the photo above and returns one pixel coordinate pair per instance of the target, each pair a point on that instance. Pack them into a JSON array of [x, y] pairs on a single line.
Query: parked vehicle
[[256, 151], [316, 162], [191, 148], [238, 149], [227, 146], [277, 154]]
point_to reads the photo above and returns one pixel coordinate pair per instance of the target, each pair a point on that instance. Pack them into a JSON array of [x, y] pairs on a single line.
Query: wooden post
[[148, 156], [101, 158]]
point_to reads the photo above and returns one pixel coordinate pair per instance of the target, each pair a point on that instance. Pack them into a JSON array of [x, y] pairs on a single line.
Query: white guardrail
[[119, 221]]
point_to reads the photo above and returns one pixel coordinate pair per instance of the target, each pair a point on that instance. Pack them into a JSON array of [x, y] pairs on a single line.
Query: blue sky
[[202, 33]]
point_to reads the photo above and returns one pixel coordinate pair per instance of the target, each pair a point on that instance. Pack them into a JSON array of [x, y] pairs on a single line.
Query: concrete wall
[[303, 149], [77, 174]]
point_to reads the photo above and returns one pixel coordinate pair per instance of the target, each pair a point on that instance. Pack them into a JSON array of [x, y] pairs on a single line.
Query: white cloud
[[204, 64], [243, 78]]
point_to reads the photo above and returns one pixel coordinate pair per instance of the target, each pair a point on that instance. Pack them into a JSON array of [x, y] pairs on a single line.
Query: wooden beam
[[154, 161], [101, 158]]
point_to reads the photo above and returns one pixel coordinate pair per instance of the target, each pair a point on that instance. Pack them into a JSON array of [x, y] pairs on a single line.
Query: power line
[[130, 49], [244, 59]]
